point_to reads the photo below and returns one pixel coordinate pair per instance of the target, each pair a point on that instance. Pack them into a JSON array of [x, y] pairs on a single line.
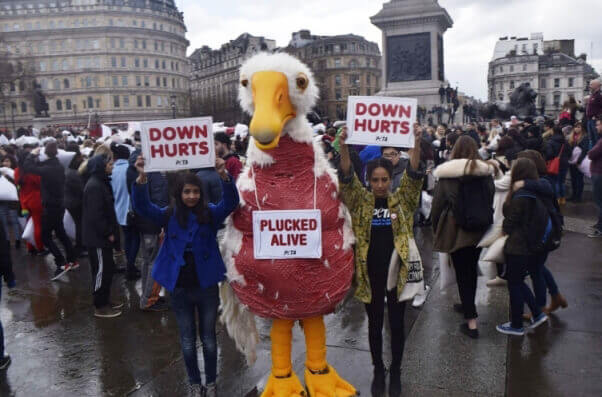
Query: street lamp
[[173, 106]]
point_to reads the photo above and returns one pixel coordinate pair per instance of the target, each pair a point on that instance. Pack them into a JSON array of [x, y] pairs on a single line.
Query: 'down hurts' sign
[[382, 121], [178, 144], [287, 234]]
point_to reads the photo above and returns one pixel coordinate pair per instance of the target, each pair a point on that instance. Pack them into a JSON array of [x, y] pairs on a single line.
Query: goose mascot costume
[[286, 171]]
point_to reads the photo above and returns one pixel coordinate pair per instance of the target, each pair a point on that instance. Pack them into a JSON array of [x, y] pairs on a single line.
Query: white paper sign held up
[[381, 121], [287, 234], [178, 144]]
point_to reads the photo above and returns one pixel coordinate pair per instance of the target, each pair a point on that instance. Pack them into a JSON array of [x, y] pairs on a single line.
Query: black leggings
[[376, 314], [466, 262]]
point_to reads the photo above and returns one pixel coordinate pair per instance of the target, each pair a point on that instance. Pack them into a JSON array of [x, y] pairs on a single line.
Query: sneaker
[[157, 307], [106, 312], [59, 272], [470, 332], [196, 391], [211, 390], [5, 362], [67, 266], [116, 305], [419, 299], [508, 329], [496, 282], [596, 233], [537, 321], [74, 265]]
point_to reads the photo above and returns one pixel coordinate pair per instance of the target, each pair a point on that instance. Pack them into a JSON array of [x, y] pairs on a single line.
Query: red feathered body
[[292, 288]]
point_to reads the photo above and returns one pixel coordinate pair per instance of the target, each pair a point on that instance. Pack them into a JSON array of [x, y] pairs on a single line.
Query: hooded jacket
[[120, 191], [98, 218], [52, 176], [553, 147], [449, 237]]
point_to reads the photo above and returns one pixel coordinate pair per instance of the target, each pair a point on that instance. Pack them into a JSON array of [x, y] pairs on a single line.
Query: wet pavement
[[59, 349]]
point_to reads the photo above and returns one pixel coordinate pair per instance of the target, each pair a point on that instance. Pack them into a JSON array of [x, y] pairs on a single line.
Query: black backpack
[[473, 208], [545, 225]]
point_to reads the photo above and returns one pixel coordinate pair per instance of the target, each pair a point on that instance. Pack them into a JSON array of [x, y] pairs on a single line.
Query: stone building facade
[[343, 65], [214, 77], [550, 67], [110, 60]]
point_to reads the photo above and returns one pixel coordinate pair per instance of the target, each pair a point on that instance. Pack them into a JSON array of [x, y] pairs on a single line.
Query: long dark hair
[[466, 148], [382, 163], [181, 210], [522, 169]]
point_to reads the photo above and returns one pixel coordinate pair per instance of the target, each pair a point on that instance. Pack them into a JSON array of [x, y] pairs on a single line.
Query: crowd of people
[[497, 188]]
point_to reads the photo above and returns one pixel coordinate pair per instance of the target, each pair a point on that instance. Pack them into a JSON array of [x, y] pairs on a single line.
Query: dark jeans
[[597, 191], [519, 292], [559, 183], [131, 245], [52, 221], [186, 303], [102, 266], [1, 329], [593, 133], [550, 282], [535, 268], [576, 182], [466, 262]]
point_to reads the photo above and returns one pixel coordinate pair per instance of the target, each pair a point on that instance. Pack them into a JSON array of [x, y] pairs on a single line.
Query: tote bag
[[553, 166]]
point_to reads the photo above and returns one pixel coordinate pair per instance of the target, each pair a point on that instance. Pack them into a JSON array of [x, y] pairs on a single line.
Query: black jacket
[[98, 219], [532, 138], [553, 147], [52, 183], [74, 189]]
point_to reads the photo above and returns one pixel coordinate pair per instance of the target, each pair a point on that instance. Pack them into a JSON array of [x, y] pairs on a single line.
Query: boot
[[378, 382], [557, 302], [395, 382]]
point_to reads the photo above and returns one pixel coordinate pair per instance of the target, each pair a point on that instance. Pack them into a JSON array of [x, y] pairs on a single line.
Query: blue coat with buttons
[[202, 237]]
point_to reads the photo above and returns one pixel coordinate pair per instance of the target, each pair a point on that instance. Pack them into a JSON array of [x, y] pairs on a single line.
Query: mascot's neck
[[290, 155]]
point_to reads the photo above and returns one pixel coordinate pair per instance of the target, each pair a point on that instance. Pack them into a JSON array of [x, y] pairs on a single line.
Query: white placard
[[381, 121], [178, 144], [287, 234]]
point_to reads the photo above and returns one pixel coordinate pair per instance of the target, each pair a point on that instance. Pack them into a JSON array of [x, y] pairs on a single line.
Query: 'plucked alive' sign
[[178, 144], [382, 121], [287, 234]]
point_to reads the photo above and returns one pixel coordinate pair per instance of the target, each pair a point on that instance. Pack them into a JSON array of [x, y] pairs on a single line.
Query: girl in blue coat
[[189, 264]]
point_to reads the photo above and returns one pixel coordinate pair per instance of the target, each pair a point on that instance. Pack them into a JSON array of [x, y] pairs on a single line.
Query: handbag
[[553, 165], [495, 252]]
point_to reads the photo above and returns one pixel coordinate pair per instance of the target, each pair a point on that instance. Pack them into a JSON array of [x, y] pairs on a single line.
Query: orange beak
[[273, 108]]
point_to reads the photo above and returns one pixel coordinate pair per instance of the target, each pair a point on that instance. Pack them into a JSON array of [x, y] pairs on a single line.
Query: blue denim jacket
[[210, 267]]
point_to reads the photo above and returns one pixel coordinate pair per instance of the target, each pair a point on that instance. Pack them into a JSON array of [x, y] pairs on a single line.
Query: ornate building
[[112, 60], [550, 67], [214, 77], [343, 65]]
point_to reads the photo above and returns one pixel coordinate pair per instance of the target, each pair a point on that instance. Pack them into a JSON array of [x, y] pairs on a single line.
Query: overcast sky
[[468, 44]]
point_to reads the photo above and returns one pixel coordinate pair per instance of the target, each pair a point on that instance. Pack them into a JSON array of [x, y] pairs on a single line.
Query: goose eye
[[244, 82], [302, 81]]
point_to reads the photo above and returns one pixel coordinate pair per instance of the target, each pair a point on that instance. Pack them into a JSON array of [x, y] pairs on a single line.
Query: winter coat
[[595, 156], [449, 237], [502, 187], [210, 267], [52, 176], [532, 138], [594, 105], [120, 191], [553, 147], [212, 185], [402, 205], [6, 264], [74, 189], [29, 190], [98, 210], [517, 222], [583, 144]]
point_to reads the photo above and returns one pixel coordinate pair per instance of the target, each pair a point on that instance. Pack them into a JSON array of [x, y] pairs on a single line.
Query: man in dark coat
[[99, 229], [52, 177]]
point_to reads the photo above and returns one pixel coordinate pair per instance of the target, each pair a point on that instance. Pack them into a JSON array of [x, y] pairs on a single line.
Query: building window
[[126, 101], [148, 101], [121, 43], [56, 84], [68, 104], [163, 66], [337, 62], [23, 107], [557, 99], [139, 101], [337, 79], [112, 41], [97, 103], [123, 62], [556, 83], [90, 102], [145, 62], [158, 81], [137, 62], [116, 101], [135, 43], [542, 83], [524, 67], [146, 81], [124, 81], [354, 79], [571, 81], [114, 62], [59, 104], [164, 81], [337, 94], [138, 81], [511, 84], [511, 68], [115, 81]]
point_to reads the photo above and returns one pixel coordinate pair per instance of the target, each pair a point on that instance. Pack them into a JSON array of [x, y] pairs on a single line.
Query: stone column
[[412, 46]]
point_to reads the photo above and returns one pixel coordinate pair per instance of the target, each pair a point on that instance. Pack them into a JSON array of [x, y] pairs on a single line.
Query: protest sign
[[178, 144], [381, 121], [287, 234]]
